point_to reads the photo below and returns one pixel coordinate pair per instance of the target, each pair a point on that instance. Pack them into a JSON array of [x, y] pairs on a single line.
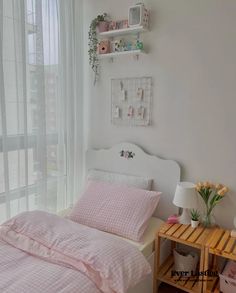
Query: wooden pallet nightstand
[[220, 244], [186, 235]]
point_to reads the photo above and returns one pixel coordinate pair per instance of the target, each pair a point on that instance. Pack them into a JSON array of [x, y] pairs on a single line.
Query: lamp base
[[184, 218]]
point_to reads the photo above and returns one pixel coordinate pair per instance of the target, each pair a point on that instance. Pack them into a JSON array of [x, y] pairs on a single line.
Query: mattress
[[147, 244]]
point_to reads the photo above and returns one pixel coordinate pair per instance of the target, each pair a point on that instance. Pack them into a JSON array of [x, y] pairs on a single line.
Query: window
[[33, 144]]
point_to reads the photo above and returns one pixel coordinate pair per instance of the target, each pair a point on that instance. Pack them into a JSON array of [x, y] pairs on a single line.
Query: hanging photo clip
[[141, 111], [117, 112], [130, 112], [139, 94]]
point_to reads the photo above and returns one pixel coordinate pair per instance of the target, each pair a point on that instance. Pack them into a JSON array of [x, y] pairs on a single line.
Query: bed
[[36, 266]]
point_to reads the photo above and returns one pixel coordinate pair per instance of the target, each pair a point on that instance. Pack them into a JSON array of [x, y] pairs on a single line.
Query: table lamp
[[185, 198]]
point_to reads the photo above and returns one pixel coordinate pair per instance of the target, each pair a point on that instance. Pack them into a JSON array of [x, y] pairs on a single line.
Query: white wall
[[192, 59]]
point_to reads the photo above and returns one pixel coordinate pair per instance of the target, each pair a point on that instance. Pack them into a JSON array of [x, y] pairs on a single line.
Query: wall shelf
[[121, 32], [117, 54]]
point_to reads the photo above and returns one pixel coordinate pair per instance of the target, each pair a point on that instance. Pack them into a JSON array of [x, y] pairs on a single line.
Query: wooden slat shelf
[[188, 284], [222, 244], [184, 234], [213, 286], [216, 242]]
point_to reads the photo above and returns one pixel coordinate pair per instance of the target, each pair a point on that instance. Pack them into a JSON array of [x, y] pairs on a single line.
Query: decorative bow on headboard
[[127, 154]]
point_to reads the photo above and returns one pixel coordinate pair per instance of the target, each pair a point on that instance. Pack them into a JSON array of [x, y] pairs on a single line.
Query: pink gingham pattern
[[117, 209], [41, 252], [23, 273]]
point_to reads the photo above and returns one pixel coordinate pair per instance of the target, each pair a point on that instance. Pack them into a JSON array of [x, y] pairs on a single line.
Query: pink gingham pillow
[[114, 208]]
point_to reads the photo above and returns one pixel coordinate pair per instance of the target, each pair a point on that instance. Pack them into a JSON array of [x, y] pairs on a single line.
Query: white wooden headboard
[[165, 173]]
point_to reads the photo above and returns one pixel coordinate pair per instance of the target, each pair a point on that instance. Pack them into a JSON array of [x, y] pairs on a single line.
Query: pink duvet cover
[[41, 252]]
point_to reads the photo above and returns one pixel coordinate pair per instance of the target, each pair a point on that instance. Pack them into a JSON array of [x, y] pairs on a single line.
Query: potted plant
[[211, 194], [103, 24], [195, 216], [98, 23]]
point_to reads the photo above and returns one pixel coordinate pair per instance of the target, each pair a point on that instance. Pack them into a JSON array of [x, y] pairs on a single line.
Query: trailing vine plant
[[93, 44]]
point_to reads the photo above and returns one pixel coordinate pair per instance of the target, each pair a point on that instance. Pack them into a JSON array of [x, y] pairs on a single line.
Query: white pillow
[[128, 180]]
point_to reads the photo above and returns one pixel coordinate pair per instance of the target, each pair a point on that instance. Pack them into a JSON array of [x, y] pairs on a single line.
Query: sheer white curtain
[[40, 101]]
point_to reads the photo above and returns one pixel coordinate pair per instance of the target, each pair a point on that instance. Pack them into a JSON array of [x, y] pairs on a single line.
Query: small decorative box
[[104, 47], [138, 16], [173, 219]]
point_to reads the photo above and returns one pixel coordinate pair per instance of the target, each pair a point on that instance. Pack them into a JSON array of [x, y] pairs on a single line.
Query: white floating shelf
[[124, 31], [117, 54]]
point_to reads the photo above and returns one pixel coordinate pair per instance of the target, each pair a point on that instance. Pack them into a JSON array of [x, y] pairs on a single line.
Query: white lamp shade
[[185, 195]]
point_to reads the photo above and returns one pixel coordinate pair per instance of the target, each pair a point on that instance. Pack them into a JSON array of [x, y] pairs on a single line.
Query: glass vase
[[208, 220]]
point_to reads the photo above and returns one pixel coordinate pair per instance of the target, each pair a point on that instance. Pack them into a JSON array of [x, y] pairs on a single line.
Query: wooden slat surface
[[194, 236], [165, 267], [180, 231], [173, 229], [182, 281], [234, 251], [212, 284], [197, 286], [223, 241], [190, 283], [209, 239], [218, 241], [223, 244], [217, 236], [204, 236], [229, 246], [187, 233], [165, 227], [165, 275], [168, 274]]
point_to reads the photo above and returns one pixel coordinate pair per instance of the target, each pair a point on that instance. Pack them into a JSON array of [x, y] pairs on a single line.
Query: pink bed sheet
[[41, 252], [23, 273]]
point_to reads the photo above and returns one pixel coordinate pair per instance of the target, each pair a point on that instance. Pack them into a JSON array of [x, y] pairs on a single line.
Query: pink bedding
[[116, 209], [41, 252]]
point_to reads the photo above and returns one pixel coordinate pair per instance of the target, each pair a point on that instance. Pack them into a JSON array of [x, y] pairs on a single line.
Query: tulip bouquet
[[211, 194]]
